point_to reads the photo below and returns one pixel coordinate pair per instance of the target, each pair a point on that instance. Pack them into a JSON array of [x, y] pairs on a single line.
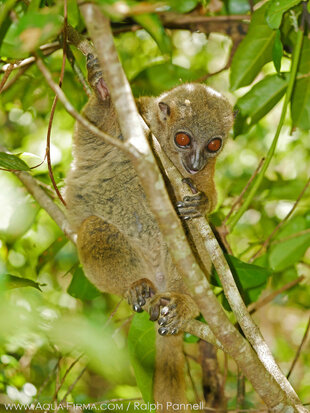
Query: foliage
[[49, 312]]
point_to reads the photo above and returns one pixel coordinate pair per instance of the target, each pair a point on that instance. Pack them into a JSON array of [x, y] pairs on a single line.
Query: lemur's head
[[191, 122]]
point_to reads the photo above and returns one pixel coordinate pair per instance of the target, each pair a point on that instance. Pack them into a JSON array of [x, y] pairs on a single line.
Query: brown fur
[[119, 242]]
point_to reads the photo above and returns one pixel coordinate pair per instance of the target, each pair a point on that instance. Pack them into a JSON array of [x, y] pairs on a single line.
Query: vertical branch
[[171, 228]]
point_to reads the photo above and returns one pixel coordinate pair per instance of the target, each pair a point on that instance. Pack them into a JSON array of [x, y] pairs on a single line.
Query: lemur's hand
[[194, 206]]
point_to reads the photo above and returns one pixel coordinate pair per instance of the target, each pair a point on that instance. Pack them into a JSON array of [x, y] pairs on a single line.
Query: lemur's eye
[[214, 145], [182, 139]]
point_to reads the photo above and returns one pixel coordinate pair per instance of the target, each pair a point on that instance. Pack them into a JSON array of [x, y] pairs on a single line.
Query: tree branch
[[44, 201], [171, 228], [199, 227]]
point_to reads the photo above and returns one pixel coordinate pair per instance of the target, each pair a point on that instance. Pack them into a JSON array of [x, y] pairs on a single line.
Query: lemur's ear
[[164, 110]]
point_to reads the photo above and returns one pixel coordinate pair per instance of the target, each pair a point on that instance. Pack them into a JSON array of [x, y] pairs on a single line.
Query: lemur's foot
[[140, 293], [95, 78], [172, 311], [194, 206]]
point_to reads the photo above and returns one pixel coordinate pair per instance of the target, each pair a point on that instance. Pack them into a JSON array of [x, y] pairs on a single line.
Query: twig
[[74, 113], [46, 49], [71, 387], [252, 308], [240, 390], [299, 349], [5, 76], [59, 386], [49, 128], [113, 312], [44, 201], [11, 82], [280, 225], [191, 379], [240, 197], [78, 72], [296, 235]]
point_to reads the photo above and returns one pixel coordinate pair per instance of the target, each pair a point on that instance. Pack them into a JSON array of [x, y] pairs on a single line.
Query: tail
[[169, 380]]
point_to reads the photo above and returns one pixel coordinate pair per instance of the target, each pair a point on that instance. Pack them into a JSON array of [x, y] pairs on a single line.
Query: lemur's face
[[195, 121], [194, 153]]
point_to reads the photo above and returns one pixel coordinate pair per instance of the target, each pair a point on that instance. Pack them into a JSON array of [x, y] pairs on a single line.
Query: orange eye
[[182, 139], [214, 145]]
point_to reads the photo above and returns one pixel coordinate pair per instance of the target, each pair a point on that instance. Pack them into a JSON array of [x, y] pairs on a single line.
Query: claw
[[162, 331], [162, 321], [164, 310]]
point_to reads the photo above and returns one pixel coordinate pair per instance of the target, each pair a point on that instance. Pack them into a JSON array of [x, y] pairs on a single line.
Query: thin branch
[[5, 76], [11, 82], [201, 226], [45, 49], [44, 200], [252, 308], [50, 123], [280, 225], [78, 72], [75, 114], [296, 235], [59, 386], [71, 387], [240, 197], [299, 349], [191, 379], [171, 228]]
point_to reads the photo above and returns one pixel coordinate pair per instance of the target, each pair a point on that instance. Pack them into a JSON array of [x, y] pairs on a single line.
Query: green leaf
[[73, 13], [300, 103], [13, 162], [152, 24], [263, 96], [289, 252], [50, 252], [251, 279], [182, 6], [81, 288], [9, 281], [237, 6], [276, 9], [253, 52], [141, 346], [32, 30], [277, 51]]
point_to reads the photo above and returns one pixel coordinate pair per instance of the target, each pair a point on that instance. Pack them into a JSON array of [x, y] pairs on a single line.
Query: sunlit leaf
[[141, 345], [182, 6], [294, 248], [251, 279], [275, 11], [13, 162], [277, 51], [300, 103], [32, 30], [253, 52], [73, 13], [81, 288], [152, 24], [263, 96]]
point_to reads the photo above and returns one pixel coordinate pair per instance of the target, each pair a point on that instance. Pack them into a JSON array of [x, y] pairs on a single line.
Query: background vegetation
[[58, 339]]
